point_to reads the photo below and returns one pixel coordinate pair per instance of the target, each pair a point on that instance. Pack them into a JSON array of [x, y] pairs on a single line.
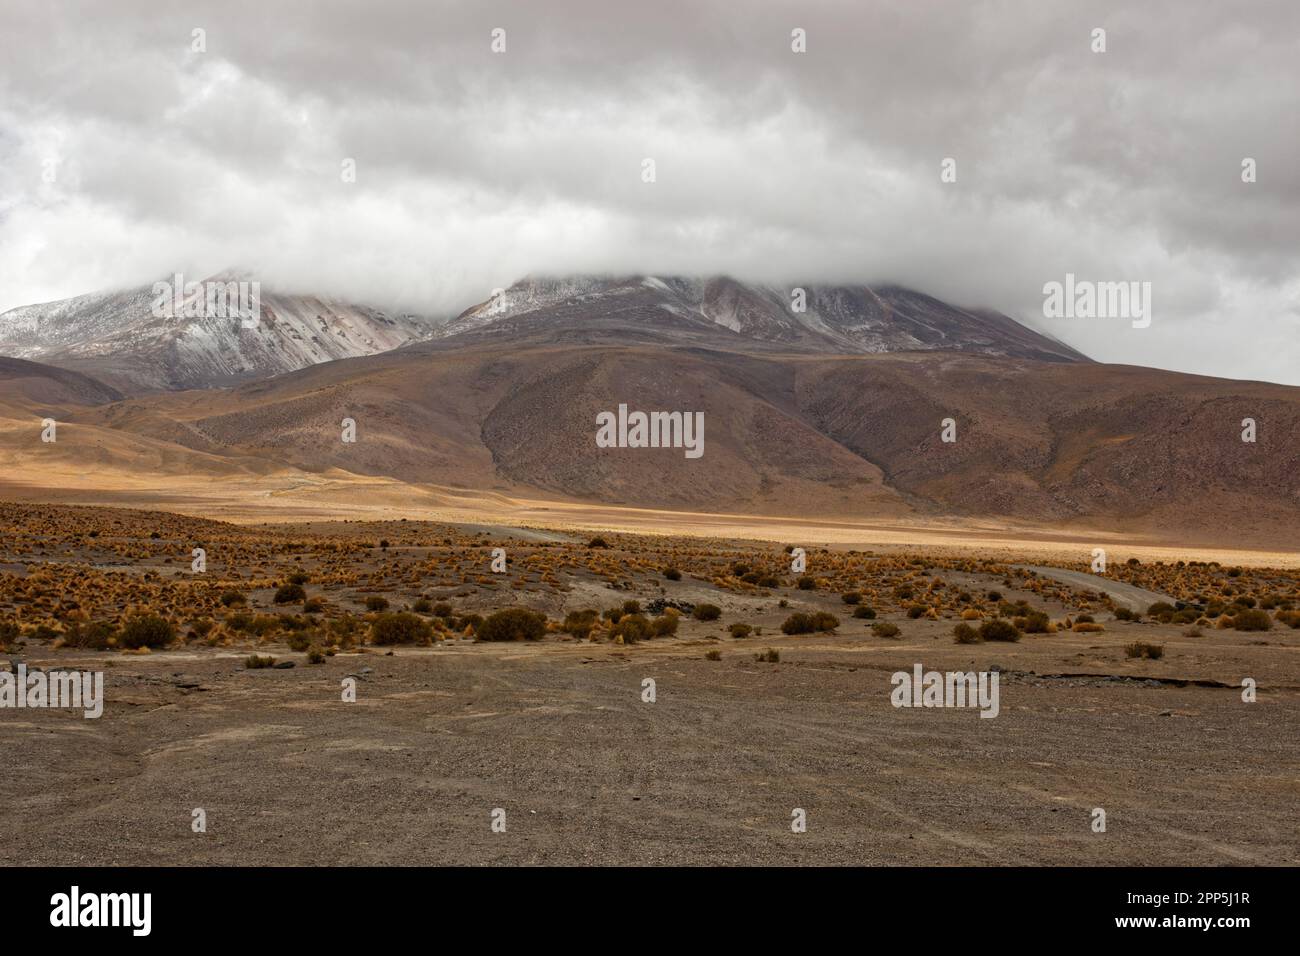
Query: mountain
[[117, 338], [1139, 450], [31, 385], [836, 411], [722, 311]]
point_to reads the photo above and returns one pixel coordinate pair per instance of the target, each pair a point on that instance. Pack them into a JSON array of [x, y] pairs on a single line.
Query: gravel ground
[[558, 736]]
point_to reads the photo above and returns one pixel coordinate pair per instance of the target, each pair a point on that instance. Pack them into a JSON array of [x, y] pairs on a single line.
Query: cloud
[[475, 168]]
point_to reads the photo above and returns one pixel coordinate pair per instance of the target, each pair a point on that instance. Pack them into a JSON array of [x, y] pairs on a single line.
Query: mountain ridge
[[117, 337], [833, 319], [120, 338]]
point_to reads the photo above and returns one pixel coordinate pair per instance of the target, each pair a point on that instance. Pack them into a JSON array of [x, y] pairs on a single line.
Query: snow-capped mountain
[[820, 318], [122, 339]]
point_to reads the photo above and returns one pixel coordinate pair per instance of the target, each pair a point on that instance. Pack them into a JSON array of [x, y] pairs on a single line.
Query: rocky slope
[[117, 338]]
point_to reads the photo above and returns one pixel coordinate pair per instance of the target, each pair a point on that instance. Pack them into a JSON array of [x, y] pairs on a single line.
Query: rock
[[283, 665]]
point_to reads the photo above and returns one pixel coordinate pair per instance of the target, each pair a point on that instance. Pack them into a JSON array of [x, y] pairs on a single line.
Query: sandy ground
[[335, 495], [558, 736]]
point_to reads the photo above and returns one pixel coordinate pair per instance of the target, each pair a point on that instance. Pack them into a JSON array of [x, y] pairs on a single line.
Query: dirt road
[[1124, 595]]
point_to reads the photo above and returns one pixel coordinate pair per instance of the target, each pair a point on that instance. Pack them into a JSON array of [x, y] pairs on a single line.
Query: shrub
[[257, 662], [713, 655], [665, 625], [672, 574], [995, 596], [299, 641], [999, 630], [631, 607], [862, 612], [965, 634], [1289, 618], [1124, 614], [739, 630], [401, 628], [422, 606], [807, 583], [825, 621], [915, 611], [442, 609], [768, 656], [146, 630], [851, 597], [299, 577], [315, 655], [612, 614], [1035, 622], [1143, 649], [513, 624], [231, 598], [1252, 620], [632, 628], [799, 623], [598, 543], [1086, 627], [263, 624], [1162, 611], [580, 623], [376, 603], [707, 612], [91, 636], [290, 594], [885, 629], [313, 605]]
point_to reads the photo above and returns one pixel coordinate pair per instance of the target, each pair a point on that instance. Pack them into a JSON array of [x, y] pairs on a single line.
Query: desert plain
[[539, 744]]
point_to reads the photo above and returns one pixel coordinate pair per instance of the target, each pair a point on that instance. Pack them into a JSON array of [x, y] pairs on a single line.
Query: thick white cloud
[[476, 168]]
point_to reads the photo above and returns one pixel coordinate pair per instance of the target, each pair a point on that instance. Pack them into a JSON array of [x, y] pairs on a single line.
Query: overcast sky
[[474, 168]]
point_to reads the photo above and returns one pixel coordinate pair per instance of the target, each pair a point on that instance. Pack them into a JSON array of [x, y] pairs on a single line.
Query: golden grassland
[[286, 495]]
